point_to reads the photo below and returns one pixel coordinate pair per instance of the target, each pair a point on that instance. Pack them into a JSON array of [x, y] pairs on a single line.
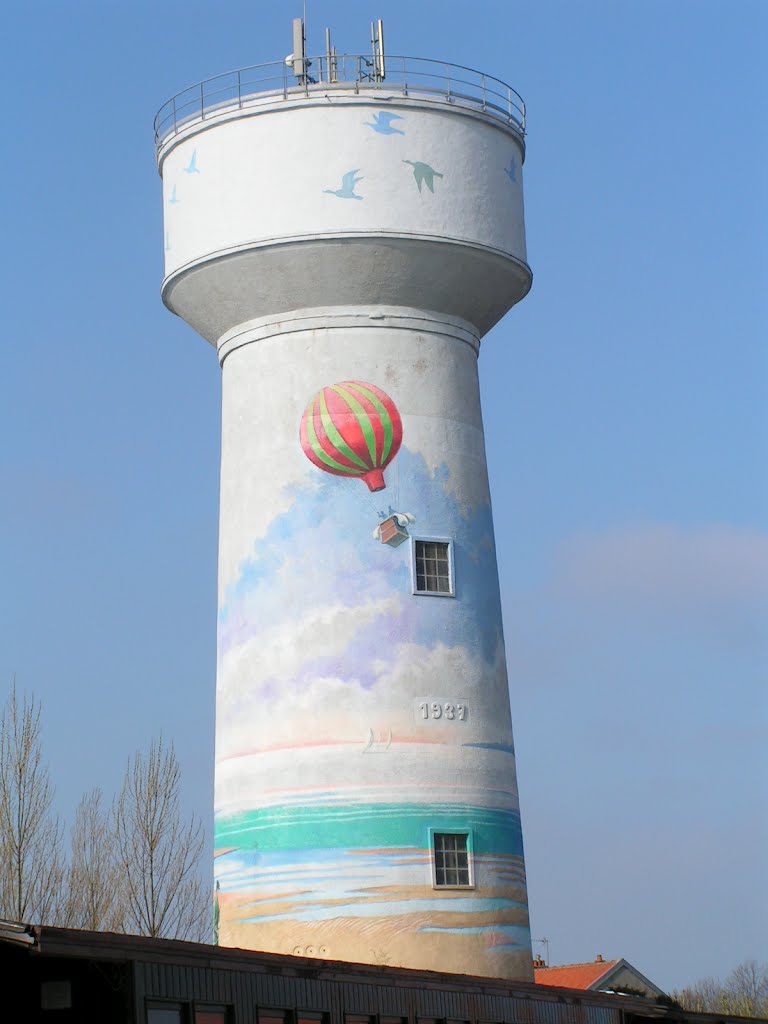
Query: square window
[[169, 1013], [270, 1016], [211, 1015], [451, 852], [433, 567]]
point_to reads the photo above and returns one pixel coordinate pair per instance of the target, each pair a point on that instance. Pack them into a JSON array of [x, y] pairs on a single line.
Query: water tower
[[345, 230]]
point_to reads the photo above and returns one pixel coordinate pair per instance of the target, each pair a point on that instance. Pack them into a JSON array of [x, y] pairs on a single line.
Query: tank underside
[[474, 284]]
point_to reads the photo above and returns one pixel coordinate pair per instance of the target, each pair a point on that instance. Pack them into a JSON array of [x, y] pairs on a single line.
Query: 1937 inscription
[[449, 711]]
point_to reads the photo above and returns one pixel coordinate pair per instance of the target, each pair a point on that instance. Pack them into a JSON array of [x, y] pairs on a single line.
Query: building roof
[[170, 969], [597, 976], [583, 976]]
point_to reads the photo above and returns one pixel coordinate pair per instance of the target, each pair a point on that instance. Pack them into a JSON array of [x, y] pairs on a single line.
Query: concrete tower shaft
[[345, 246]]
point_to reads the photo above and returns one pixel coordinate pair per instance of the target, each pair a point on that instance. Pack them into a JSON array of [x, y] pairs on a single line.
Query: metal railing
[[249, 86]]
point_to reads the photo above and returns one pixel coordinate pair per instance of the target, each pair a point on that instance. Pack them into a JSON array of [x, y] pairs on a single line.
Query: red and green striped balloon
[[352, 429]]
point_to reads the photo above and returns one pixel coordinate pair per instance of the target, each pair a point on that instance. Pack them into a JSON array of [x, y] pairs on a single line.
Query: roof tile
[[581, 976]]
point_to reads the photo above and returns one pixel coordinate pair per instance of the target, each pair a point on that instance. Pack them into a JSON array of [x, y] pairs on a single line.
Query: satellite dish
[[290, 59]]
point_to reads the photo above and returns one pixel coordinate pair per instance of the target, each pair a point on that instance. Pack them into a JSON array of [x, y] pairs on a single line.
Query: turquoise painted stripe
[[384, 908], [361, 826]]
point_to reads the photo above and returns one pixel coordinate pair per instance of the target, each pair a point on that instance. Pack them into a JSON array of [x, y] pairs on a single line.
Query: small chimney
[[539, 962], [599, 958]]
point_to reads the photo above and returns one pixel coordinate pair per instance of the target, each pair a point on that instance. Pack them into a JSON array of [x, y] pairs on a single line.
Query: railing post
[[175, 129], [202, 102], [285, 81], [483, 81], [239, 92], [405, 78], [448, 79]]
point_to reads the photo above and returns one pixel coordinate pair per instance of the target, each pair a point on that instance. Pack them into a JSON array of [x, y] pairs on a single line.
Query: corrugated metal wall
[[246, 991]]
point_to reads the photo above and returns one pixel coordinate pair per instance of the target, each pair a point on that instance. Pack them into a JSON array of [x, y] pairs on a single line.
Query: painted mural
[[382, 123], [356, 716], [352, 429], [367, 717], [364, 158], [347, 188], [423, 174]]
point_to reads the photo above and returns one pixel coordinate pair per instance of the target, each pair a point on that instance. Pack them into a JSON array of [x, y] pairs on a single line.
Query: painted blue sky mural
[[364, 571]]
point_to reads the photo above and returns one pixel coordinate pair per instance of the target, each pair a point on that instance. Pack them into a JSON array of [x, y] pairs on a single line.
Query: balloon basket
[[391, 533]]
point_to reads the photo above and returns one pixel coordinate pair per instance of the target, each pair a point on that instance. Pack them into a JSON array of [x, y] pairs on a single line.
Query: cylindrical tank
[[345, 245]]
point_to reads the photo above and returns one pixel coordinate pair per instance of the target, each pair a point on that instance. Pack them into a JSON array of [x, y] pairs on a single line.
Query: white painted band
[[345, 318]]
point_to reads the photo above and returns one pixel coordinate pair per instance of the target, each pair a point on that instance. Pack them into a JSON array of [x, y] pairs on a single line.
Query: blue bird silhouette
[[167, 242], [192, 167], [424, 174], [347, 190], [511, 171], [382, 123], [173, 198]]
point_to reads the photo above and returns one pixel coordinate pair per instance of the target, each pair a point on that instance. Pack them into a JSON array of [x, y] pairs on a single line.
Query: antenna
[[331, 74], [297, 59], [377, 49]]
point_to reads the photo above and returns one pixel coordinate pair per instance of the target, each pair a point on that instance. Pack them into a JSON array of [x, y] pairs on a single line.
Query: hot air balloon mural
[[352, 429]]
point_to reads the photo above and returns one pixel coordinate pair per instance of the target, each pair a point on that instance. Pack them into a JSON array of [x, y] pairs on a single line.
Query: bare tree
[[701, 997], [30, 837], [94, 882], [158, 853], [744, 992], [747, 989]]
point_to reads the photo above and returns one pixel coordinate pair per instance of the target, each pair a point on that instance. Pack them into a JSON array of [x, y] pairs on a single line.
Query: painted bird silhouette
[[511, 171], [173, 198], [192, 167], [424, 174], [347, 190], [382, 123]]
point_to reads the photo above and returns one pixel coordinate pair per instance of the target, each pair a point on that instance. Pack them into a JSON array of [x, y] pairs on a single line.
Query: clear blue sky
[[624, 404]]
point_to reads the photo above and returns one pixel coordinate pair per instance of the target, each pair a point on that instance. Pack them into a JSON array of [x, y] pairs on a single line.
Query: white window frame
[[470, 855], [451, 570]]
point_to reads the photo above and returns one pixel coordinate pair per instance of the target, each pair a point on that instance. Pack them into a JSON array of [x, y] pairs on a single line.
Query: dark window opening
[[270, 1016], [170, 1013], [451, 851], [433, 567]]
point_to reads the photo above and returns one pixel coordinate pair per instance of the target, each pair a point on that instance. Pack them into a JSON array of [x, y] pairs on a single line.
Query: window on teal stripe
[[450, 851]]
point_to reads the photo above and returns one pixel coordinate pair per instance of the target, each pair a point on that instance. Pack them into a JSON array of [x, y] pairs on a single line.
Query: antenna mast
[[298, 58], [331, 64], [377, 49]]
